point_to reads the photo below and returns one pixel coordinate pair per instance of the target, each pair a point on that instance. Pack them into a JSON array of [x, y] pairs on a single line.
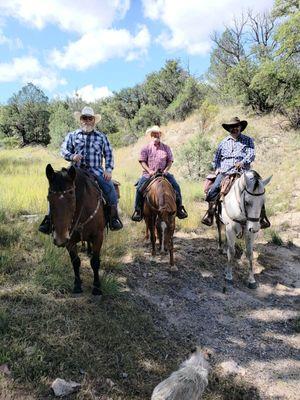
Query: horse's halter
[[250, 219], [61, 195]]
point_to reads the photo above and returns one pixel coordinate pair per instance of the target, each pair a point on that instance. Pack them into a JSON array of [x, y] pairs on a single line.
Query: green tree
[[195, 158], [27, 116], [61, 121], [188, 100], [147, 115], [163, 87]]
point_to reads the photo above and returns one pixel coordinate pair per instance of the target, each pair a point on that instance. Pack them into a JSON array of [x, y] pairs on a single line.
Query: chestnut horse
[[76, 213], [159, 213]]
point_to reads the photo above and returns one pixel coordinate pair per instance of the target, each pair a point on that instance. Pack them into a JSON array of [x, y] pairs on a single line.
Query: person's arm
[[217, 159], [146, 168], [169, 159], [250, 153], [109, 159], [143, 160], [67, 148]]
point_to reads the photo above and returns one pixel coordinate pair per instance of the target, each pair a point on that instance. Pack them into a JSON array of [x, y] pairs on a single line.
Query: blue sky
[[99, 47]]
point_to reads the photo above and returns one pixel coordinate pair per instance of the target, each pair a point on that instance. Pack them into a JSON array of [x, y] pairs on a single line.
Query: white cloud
[[28, 69], [189, 24], [12, 43], [89, 93], [69, 15], [101, 45]]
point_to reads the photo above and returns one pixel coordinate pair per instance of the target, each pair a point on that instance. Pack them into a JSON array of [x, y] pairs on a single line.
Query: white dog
[[187, 383]]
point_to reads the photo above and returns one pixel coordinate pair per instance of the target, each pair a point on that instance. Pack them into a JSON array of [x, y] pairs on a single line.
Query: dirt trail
[[255, 328]]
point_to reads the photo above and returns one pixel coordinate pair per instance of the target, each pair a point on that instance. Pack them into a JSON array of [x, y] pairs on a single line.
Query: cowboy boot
[[45, 226], [181, 211], [137, 216], [208, 218], [264, 222], [115, 224]]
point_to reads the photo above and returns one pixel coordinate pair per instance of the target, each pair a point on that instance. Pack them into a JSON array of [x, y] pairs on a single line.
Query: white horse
[[241, 209]]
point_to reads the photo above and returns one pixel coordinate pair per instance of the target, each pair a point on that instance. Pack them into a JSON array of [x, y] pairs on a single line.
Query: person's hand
[[151, 172], [165, 173], [238, 165], [217, 171], [107, 175], [77, 158]]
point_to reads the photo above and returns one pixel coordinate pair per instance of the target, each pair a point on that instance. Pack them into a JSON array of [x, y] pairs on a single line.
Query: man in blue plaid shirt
[[234, 155], [86, 148]]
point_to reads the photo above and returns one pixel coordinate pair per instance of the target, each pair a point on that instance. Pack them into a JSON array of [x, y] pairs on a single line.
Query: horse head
[[62, 201], [253, 198]]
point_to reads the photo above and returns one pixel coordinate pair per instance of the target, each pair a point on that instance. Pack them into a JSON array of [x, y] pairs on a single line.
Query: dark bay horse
[[159, 214], [76, 212]]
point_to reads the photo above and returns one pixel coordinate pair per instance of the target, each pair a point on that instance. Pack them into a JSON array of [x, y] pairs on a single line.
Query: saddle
[[227, 183], [147, 185]]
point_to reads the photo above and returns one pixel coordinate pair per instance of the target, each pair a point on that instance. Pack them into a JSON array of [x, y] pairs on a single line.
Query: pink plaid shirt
[[156, 157]]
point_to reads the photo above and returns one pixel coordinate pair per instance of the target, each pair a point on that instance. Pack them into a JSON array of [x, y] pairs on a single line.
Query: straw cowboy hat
[[235, 122], [154, 128], [87, 111]]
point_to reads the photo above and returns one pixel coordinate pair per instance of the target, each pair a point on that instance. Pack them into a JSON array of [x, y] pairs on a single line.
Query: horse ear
[[49, 172], [266, 181], [72, 172]]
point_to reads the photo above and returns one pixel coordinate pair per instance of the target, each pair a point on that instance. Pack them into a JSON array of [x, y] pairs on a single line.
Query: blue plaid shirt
[[231, 151], [92, 147]]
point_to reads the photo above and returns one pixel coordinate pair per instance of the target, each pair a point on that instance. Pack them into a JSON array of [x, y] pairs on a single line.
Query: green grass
[[273, 237]]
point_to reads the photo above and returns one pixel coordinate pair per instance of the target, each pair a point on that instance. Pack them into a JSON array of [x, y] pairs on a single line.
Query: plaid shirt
[[156, 157], [231, 151], [92, 147]]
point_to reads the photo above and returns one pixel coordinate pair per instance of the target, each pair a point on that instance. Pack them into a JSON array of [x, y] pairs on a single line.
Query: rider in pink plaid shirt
[[154, 157]]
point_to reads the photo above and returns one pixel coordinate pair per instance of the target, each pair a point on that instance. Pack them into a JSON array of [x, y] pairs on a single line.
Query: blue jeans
[[215, 189], [109, 191], [143, 179]]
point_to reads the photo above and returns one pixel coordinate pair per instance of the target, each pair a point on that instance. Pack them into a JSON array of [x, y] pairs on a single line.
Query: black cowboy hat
[[235, 122]]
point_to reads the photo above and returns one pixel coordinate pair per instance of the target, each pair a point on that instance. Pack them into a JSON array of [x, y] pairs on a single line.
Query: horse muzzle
[[60, 240]]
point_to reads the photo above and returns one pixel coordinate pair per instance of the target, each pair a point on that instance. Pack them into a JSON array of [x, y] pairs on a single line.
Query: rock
[[231, 368], [30, 350], [110, 383], [61, 387], [5, 370]]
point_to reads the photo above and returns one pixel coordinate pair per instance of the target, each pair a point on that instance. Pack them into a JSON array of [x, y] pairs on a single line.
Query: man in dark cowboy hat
[[86, 148], [234, 154]]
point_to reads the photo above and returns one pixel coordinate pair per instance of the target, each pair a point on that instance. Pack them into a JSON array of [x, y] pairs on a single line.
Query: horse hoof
[[77, 290], [173, 268], [252, 285], [96, 291]]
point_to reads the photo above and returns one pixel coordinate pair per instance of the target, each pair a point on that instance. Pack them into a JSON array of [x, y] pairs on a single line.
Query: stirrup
[[181, 212], [137, 216]]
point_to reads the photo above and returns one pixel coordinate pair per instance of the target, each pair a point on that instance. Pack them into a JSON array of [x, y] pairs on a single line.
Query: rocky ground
[[255, 332]]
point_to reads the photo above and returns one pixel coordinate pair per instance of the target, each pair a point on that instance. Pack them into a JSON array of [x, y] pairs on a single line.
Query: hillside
[[150, 318]]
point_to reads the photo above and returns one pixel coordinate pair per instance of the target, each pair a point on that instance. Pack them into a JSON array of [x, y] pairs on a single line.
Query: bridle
[[78, 225], [250, 219]]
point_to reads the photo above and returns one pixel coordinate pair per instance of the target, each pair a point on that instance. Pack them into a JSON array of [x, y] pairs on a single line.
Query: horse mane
[[165, 199], [257, 178]]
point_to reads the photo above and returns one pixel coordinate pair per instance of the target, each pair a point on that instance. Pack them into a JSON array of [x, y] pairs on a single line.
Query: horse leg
[[152, 234], [171, 252], [76, 266], [249, 239], [219, 227], [230, 235], [95, 264]]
